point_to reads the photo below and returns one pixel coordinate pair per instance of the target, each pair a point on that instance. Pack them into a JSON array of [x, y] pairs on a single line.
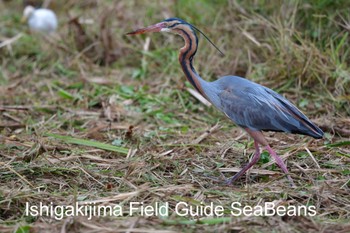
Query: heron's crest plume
[[207, 38]]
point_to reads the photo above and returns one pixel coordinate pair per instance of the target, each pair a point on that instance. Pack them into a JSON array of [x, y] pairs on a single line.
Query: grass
[[103, 146], [107, 118]]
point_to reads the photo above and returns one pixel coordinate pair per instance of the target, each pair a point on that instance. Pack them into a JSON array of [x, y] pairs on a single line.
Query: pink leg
[[260, 139], [280, 163], [254, 160]]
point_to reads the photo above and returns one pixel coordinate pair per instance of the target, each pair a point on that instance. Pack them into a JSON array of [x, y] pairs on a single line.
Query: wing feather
[[253, 106]]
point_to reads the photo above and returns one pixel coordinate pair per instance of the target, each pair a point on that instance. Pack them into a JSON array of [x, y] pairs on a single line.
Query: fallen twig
[[206, 134]]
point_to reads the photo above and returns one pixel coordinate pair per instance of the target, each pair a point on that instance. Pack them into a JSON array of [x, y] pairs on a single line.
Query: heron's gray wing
[[259, 108], [312, 129], [249, 109]]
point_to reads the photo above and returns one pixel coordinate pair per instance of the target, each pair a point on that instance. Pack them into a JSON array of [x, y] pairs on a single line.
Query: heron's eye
[[174, 25]]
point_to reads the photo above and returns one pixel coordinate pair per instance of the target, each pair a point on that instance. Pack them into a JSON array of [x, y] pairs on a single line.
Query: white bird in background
[[40, 20]]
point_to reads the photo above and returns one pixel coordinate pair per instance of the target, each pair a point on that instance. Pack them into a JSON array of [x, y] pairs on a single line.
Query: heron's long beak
[[153, 28]]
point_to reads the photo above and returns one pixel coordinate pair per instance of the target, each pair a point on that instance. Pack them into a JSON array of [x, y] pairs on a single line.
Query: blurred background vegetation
[[297, 47]]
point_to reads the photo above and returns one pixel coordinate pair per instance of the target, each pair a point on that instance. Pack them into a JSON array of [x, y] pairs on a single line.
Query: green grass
[[90, 143], [115, 123]]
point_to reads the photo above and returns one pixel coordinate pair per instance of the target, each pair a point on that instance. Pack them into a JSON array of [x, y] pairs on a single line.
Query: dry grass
[[91, 82]]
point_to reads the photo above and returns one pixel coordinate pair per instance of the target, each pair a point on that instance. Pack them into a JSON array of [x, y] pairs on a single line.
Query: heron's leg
[[259, 137], [280, 163], [254, 160]]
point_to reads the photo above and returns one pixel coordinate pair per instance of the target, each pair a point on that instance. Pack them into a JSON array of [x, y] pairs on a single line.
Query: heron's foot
[[291, 182], [230, 181], [253, 161]]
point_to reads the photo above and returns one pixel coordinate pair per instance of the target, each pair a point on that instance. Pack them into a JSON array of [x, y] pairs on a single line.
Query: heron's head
[[28, 10], [167, 25], [174, 25]]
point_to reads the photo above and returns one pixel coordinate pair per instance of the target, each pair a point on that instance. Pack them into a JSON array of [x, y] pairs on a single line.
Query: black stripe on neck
[[184, 63]]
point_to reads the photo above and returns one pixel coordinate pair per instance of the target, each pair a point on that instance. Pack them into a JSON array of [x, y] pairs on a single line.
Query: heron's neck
[[186, 57]]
